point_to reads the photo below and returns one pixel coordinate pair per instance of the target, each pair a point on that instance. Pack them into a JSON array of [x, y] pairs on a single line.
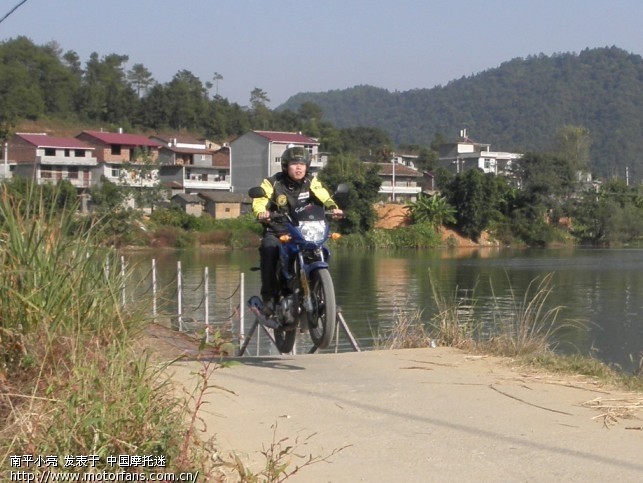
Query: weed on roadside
[[283, 458]]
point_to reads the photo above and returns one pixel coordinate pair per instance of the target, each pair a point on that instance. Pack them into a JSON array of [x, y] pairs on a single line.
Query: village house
[[257, 155], [465, 154], [222, 205], [49, 159], [401, 183], [187, 165], [124, 159], [190, 204]]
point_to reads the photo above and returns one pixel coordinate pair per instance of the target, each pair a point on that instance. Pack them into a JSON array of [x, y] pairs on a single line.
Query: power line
[[13, 10]]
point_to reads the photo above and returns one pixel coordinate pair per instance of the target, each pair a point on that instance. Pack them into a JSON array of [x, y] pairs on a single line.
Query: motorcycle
[[306, 299]]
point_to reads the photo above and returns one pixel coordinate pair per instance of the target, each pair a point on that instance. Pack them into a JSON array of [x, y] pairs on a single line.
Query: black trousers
[[268, 258]]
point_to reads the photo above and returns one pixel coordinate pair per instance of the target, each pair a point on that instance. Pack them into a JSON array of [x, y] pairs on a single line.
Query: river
[[598, 293]]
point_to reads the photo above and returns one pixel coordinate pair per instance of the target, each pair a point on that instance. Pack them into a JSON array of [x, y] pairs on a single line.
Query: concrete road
[[421, 415]]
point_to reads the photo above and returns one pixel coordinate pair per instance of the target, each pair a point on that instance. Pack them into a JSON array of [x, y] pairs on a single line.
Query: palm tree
[[216, 78], [433, 210]]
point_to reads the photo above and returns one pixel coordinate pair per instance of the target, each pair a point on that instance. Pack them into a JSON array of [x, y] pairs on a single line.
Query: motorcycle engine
[[286, 310]]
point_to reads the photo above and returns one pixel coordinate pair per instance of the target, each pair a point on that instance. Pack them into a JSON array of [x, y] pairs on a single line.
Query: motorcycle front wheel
[[322, 320]]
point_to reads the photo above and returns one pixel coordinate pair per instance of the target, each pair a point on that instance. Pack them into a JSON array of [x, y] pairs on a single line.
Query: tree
[[258, 99], [480, 200], [573, 145], [107, 196], [427, 159], [433, 210], [261, 115], [364, 185], [216, 78], [105, 94], [140, 78], [548, 183], [187, 101]]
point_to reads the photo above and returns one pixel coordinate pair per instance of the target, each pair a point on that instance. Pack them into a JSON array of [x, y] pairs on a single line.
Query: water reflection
[[602, 288]]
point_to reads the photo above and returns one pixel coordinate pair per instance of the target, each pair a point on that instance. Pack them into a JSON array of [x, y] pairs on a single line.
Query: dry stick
[[528, 403]]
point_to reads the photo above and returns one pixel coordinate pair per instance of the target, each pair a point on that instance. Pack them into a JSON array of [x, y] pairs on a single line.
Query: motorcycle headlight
[[313, 231]]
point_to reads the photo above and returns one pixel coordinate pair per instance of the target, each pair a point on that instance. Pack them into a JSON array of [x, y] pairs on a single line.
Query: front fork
[[305, 285], [304, 277]]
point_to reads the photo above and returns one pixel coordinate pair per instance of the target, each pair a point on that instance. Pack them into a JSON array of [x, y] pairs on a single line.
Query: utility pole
[[393, 183]]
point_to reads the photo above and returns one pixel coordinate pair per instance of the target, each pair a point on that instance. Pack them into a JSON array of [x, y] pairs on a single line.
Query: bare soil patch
[[394, 215]]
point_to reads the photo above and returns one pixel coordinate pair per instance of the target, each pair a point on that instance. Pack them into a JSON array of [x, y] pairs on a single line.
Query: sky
[[285, 47]]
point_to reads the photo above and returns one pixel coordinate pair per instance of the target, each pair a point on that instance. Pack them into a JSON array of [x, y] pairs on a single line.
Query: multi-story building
[[49, 159], [466, 154], [257, 155], [401, 183], [188, 166], [124, 159]]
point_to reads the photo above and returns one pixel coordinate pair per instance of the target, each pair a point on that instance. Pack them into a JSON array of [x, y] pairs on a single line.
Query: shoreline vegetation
[[73, 380]]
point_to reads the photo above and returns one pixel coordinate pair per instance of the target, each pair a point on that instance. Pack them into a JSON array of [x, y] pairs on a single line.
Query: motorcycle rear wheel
[[322, 320]]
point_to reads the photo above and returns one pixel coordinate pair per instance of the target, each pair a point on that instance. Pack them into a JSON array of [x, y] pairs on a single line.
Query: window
[[116, 172], [116, 149], [79, 153], [73, 172], [50, 152], [67, 152]]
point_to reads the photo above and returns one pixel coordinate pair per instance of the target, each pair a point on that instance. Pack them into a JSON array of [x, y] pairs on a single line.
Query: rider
[[293, 187]]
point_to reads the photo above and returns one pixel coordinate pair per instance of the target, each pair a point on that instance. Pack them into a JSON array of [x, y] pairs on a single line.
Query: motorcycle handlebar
[[279, 217]]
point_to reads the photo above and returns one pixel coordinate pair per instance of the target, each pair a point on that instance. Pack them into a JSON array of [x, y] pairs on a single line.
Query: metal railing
[[181, 312]]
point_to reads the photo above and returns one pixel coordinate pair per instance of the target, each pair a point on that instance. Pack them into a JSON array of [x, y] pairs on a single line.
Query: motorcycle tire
[[322, 320], [285, 339]]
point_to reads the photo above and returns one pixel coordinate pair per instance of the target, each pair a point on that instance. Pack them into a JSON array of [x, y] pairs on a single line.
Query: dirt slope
[[395, 215]]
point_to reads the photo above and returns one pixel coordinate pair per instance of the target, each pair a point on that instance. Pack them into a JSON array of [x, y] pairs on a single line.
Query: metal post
[[343, 324], [207, 306], [179, 290], [154, 289], [258, 342], [242, 311], [242, 347]]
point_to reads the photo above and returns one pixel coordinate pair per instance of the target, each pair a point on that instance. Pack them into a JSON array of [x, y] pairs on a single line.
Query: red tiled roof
[[287, 137], [123, 139], [44, 141], [187, 150]]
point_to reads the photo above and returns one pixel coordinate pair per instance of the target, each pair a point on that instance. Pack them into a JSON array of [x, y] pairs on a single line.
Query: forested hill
[[517, 106]]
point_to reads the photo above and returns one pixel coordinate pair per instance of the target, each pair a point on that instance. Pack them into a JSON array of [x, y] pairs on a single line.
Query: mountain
[[518, 106]]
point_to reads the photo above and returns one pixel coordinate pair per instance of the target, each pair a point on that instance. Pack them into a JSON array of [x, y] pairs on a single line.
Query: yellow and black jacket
[[286, 195]]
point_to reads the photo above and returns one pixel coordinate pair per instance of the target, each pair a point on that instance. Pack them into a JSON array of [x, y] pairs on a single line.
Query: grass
[[72, 381], [527, 336]]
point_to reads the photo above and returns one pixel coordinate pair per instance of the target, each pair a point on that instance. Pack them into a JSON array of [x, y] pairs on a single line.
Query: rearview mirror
[[256, 192], [342, 188]]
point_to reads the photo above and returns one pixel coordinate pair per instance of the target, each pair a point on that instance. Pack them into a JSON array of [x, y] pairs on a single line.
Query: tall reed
[[532, 323], [529, 324], [71, 378]]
